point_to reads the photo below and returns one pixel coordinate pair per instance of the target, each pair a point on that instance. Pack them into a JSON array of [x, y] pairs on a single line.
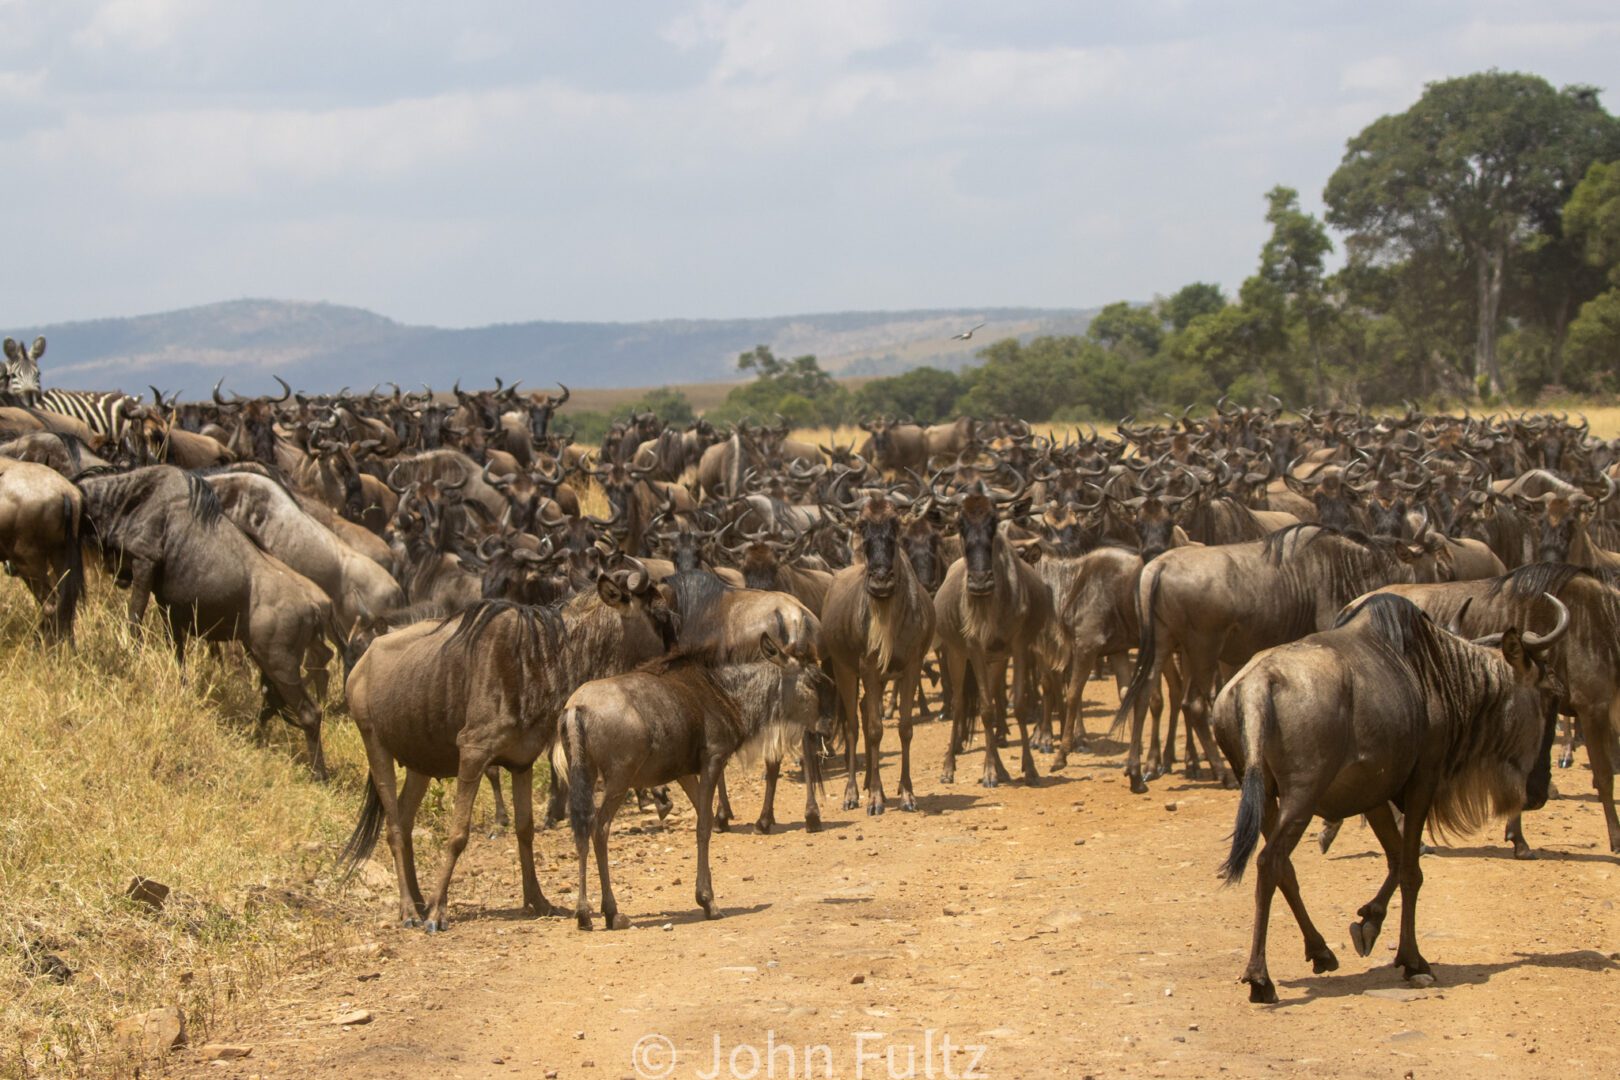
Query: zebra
[[105, 413]]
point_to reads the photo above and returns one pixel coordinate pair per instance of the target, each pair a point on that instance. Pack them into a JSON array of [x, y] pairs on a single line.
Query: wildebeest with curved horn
[[877, 624], [677, 718], [452, 697], [1385, 708]]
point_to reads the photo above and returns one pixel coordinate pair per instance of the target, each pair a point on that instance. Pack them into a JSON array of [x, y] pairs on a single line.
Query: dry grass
[[110, 768]]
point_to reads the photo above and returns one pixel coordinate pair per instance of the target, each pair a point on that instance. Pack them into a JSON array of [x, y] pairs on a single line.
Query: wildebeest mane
[[1533, 579], [538, 625], [1393, 619], [202, 501]]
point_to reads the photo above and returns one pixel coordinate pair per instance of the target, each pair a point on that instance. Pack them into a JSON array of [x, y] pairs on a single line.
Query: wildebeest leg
[[849, 698], [382, 781], [1073, 728], [872, 725], [1514, 834], [1261, 988], [1407, 956], [141, 576], [954, 685], [523, 827], [722, 812], [712, 773], [410, 801], [298, 708], [1329, 833], [812, 781], [493, 775], [1364, 934], [1022, 673], [1133, 753], [555, 809], [989, 674], [1599, 732], [611, 801], [909, 680], [1567, 758], [468, 780], [1199, 677], [767, 812]]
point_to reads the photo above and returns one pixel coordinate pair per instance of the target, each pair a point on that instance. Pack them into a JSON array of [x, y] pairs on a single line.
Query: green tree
[[1123, 322], [671, 405], [781, 386], [1477, 165], [1189, 302], [1592, 222], [926, 394], [1289, 286]]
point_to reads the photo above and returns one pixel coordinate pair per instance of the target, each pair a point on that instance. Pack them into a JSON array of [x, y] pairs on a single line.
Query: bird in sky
[[966, 335]]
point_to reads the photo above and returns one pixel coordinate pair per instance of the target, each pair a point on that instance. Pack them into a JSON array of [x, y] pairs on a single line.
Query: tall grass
[[112, 767]]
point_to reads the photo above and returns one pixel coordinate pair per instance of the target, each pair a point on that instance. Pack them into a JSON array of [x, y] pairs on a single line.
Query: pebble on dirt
[[349, 1019], [156, 1031], [143, 890]]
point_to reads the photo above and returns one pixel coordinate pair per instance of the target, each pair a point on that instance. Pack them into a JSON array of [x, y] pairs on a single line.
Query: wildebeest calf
[[676, 719]]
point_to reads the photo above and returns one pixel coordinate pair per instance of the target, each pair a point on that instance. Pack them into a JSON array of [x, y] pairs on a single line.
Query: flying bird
[[966, 335]]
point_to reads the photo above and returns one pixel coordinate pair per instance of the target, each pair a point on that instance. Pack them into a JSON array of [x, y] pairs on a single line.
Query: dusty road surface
[[1073, 929]]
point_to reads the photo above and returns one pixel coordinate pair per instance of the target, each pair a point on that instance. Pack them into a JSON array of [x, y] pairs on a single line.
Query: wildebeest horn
[[459, 484], [499, 480], [1541, 642], [221, 402], [561, 400], [286, 391], [398, 489]]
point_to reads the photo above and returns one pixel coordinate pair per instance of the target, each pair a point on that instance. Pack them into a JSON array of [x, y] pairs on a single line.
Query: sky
[[478, 162]]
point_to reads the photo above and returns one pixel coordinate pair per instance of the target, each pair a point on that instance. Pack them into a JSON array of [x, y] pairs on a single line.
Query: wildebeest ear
[[1513, 650], [11, 348], [770, 649], [611, 592]]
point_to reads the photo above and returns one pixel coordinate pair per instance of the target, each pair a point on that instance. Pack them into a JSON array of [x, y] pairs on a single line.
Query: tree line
[[1470, 250]]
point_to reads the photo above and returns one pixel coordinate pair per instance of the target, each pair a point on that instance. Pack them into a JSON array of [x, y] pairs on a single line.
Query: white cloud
[[141, 25]]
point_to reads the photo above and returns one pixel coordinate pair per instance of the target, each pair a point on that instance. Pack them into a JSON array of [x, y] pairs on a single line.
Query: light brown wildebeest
[[40, 514]]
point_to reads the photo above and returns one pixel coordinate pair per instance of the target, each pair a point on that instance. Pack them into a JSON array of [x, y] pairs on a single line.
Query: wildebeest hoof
[[908, 802], [947, 777], [852, 800], [1032, 778], [410, 922], [712, 912], [722, 824], [620, 921], [1262, 991], [763, 826], [812, 823], [1155, 771], [874, 808], [1325, 962], [989, 780], [583, 920], [1229, 781], [1364, 935], [436, 926], [1138, 785], [1567, 761], [1059, 763], [1522, 851]]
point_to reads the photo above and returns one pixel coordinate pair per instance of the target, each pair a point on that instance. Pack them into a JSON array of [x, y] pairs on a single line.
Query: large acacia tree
[[1479, 165]]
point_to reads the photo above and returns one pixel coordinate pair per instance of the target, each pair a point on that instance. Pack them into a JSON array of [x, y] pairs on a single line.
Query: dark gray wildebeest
[[1385, 710], [164, 533], [679, 718], [40, 515], [990, 610], [1586, 662], [877, 624], [64, 453], [267, 512], [1218, 606], [452, 697]]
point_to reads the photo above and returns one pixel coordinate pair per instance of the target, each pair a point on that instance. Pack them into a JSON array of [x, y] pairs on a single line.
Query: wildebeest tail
[[363, 841], [71, 588], [571, 771], [1255, 718], [1146, 653]]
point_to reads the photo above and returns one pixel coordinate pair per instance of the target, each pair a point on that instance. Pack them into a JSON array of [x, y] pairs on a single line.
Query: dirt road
[[1073, 929]]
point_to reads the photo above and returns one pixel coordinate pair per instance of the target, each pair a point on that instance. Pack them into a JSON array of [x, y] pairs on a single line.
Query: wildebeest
[[1384, 708], [877, 624], [40, 514], [1585, 662], [164, 532], [677, 718], [452, 697], [990, 610], [1221, 605]]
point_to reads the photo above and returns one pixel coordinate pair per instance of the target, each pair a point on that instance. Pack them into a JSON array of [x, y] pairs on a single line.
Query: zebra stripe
[[99, 410]]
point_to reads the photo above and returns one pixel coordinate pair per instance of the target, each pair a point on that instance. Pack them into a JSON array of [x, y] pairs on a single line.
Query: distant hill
[[321, 347]]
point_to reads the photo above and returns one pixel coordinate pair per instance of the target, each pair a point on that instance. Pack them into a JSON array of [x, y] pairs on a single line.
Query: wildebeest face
[[1155, 529], [922, 546], [977, 523], [879, 545], [808, 696]]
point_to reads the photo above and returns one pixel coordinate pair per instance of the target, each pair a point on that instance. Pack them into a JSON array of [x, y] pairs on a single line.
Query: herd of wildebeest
[[1349, 614]]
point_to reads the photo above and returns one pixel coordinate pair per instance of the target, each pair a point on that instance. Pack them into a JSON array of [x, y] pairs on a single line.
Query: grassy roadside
[[112, 768]]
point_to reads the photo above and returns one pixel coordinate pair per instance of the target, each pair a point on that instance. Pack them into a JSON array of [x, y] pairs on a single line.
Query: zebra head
[[21, 373]]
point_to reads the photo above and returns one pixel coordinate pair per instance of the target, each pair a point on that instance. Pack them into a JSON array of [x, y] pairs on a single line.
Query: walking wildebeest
[[452, 697], [1384, 708], [679, 718], [164, 532]]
